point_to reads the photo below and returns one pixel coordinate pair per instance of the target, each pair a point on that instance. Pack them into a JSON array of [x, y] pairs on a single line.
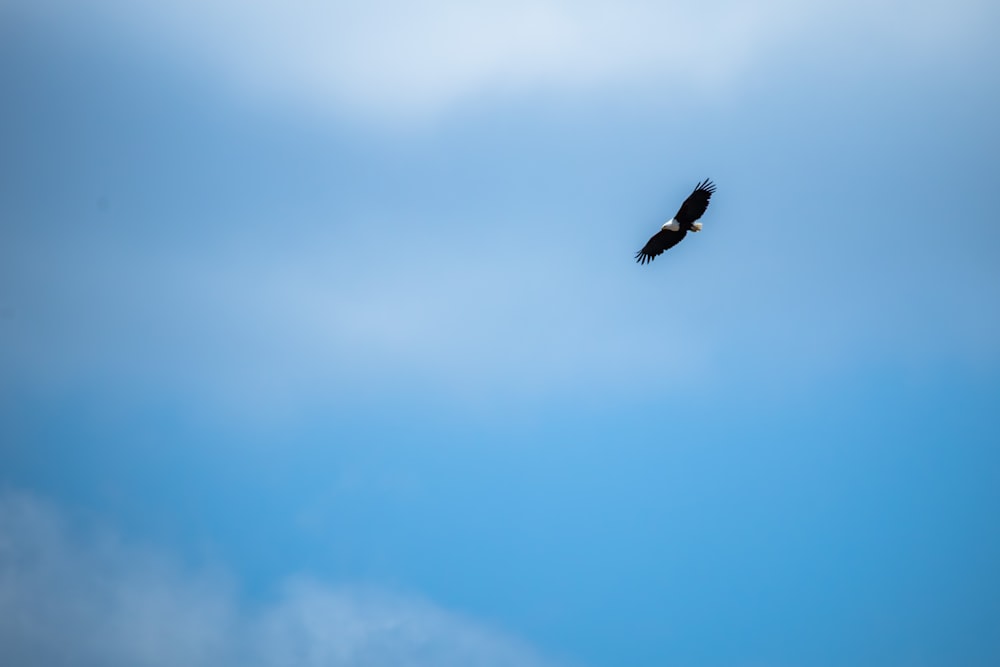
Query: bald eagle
[[676, 228]]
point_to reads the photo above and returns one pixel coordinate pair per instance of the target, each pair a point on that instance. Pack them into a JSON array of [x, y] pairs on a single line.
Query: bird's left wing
[[696, 203]]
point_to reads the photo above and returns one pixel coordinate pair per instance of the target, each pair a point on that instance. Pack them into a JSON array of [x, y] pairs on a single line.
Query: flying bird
[[676, 228]]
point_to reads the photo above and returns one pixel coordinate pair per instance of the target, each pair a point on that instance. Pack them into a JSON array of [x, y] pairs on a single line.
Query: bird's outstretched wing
[[696, 203], [660, 241]]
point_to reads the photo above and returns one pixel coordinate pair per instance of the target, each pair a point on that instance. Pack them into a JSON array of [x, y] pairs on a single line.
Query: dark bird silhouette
[[676, 228]]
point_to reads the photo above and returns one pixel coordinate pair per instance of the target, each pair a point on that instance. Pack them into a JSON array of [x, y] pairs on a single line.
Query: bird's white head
[[671, 225]]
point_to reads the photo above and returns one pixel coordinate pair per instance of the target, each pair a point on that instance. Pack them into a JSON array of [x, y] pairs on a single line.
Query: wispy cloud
[[73, 596]]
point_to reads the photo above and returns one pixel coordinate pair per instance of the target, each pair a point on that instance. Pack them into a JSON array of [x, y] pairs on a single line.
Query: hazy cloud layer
[[398, 60], [78, 597], [272, 326]]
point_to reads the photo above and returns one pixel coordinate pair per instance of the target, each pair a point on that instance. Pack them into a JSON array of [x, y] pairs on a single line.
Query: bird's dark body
[[692, 209]]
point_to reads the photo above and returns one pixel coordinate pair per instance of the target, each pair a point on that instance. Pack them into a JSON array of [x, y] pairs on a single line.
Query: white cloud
[[372, 628], [76, 597], [397, 60]]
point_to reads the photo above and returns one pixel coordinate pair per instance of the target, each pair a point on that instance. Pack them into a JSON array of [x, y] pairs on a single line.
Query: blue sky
[[321, 340]]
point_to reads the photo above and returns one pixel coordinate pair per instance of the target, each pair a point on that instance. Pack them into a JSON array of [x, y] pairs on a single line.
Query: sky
[[322, 342]]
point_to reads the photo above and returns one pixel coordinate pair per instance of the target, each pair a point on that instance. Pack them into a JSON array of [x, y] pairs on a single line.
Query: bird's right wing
[[660, 241]]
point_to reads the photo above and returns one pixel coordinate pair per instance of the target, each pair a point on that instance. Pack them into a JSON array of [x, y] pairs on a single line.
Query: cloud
[[83, 597], [402, 60]]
